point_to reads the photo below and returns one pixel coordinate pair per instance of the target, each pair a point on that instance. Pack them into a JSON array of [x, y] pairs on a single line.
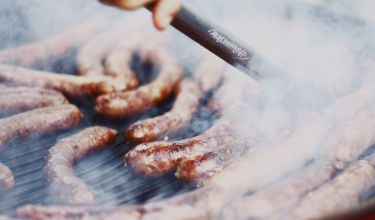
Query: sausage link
[[125, 104], [197, 170], [118, 62], [19, 99], [60, 158], [158, 158], [186, 104], [338, 195], [38, 121], [92, 55], [39, 52], [69, 85]]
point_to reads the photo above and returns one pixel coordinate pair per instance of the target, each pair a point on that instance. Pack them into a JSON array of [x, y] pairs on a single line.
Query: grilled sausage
[[210, 72], [93, 54], [71, 86], [197, 170], [53, 47], [344, 146], [207, 76], [158, 158], [314, 129], [202, 203], [6, 177], [58, 167], [338, 195], [118, 61], [19, 99], [125, 104], [186, 104], [38, 121]]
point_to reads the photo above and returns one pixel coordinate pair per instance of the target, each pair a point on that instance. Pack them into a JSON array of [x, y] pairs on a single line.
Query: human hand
[[162, 13]]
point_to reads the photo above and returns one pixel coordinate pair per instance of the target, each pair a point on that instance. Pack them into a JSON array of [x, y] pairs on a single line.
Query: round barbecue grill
[[104, 171]]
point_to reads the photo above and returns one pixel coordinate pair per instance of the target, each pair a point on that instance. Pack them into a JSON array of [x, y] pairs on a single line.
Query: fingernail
[[165, 21]]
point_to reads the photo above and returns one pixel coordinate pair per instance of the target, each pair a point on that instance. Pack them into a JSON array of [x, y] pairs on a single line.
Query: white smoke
[[324, 60]]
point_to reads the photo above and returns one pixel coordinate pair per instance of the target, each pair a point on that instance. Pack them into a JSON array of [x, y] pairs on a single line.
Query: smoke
[[323, 52]]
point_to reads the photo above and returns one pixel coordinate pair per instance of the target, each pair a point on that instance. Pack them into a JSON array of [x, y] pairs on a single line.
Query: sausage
[[59, 161], [125, 104], [189, 94], [353, 138], [275, 199], [90, 57], [344, 146], [118, 61], [93, 54], [186, 104], [69, 85], [158, 158], [6, 177], [38, 121], [41, 51], [210, 72], [203, 203], [314, 130], [338, 195], [19, 99], [202, 167]]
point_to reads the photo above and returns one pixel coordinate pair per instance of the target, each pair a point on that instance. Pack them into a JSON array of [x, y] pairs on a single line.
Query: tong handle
[[215, 39]]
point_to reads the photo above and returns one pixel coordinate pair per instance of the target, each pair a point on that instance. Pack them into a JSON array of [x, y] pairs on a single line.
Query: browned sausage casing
[[38, 52], [186, 104], [125, 104], [20, 99], [158, 158], [197, 170], [64, 184], [72, 86], [38, 121]]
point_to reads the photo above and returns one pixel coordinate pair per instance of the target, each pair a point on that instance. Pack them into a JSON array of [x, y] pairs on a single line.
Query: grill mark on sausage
[[125, 104], [53, 47], [19, 99], [69, 85], [64, 185]]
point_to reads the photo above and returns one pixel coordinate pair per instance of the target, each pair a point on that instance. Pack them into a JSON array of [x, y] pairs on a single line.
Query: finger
[[127, 4], [165, 11]]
